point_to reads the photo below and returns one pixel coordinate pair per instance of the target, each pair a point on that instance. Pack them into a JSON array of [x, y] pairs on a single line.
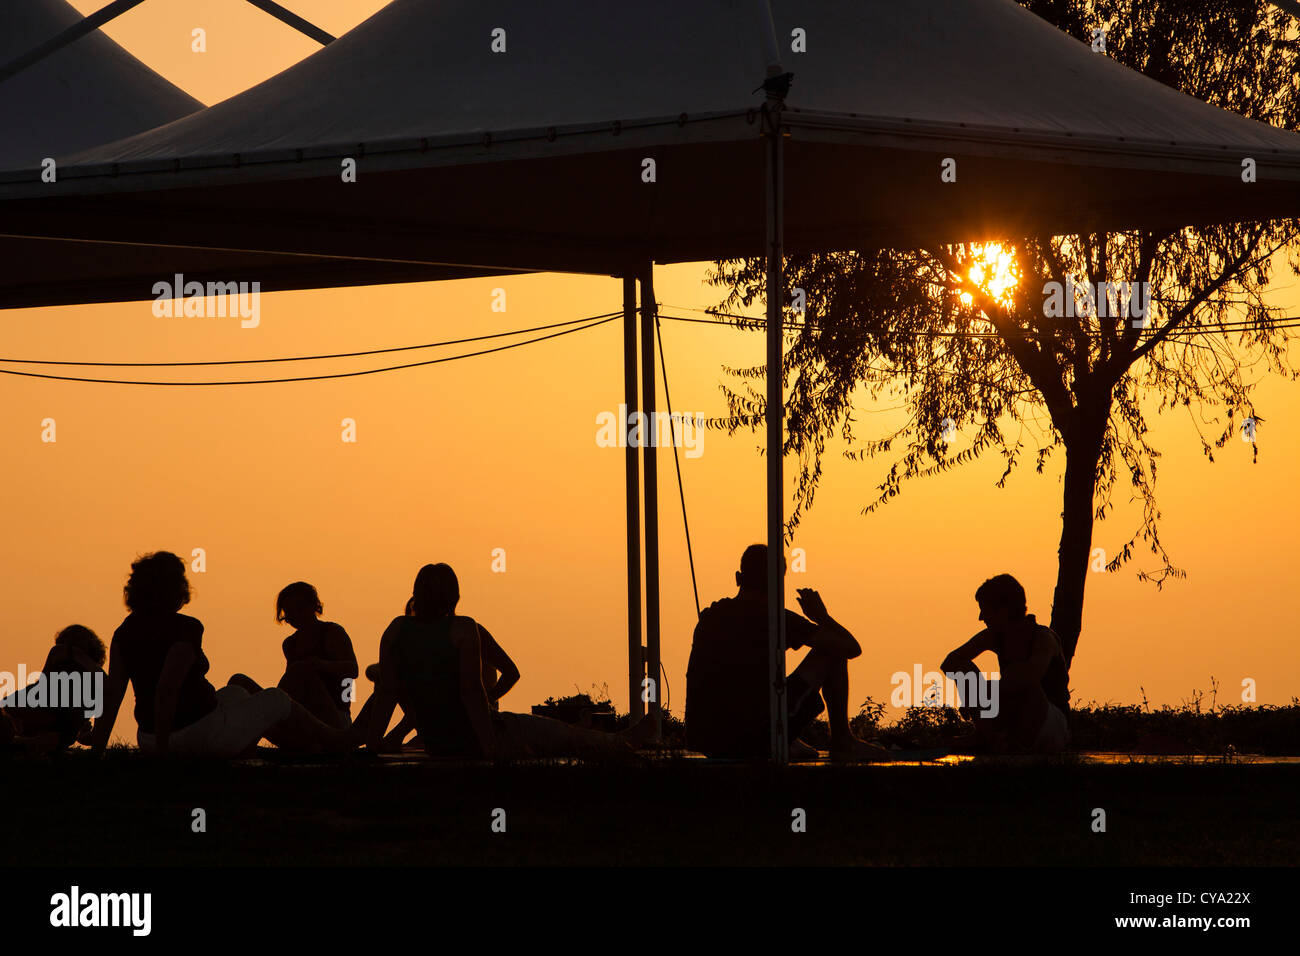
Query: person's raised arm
[[957, 660], [472, 694], [180, 658], [114, 691], [385, 698], [830, 635], [496, 657]]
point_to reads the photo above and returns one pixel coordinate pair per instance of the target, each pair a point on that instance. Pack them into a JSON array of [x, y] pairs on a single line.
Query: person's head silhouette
[[157, 583], [1002, 602], [84, 640], [436, 591], [752, 575], [298, 604]]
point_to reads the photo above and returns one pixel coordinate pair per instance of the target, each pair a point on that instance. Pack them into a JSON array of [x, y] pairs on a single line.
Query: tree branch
[[1044, 374], [1179, 317]]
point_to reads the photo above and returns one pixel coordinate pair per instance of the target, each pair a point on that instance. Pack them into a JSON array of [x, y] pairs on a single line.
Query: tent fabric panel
[[419, 68], [54, 272], [989, 63], [87, 93], [323, 162], [659, 138], [587, 213], [591, 213]]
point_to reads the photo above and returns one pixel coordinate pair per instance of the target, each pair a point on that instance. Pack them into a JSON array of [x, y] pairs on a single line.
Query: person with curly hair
[[159, 652], [75, 663]]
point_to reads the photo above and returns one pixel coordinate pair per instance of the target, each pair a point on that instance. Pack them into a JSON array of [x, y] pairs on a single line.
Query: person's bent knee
[[818, 665], [277, 703], [283, 700]]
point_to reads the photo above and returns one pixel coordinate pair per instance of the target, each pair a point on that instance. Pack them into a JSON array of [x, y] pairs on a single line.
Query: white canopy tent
[[579, 98], [513, 136]]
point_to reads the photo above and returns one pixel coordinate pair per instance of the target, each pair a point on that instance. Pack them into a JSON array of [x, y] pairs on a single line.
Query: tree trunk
[[1082, 450]]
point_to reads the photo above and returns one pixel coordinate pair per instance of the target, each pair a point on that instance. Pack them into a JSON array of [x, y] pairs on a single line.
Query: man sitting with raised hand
[[727, 678]]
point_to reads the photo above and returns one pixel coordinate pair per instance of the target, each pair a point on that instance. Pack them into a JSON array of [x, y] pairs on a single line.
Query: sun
[[994, 270]]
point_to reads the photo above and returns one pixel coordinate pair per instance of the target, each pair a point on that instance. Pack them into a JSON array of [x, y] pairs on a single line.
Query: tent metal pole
[[635, 655], [118, 7], [289, 18], [653, 670], [775, 420], [72, 33]]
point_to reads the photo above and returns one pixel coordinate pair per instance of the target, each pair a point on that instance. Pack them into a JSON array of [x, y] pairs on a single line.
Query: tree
[[1170, 318]]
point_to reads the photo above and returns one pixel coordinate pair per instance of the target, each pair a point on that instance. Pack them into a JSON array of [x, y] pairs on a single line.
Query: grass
[[1193, 727], [133, 810], [1196, 726]]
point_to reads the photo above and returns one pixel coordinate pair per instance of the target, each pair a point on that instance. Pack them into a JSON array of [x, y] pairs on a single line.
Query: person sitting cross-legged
[[727, 679]]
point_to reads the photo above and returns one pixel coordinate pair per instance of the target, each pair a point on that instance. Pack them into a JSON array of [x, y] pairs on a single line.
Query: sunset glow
[[994, 270]]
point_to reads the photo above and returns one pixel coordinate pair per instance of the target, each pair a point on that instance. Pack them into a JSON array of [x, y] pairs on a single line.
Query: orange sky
[[455, 460]]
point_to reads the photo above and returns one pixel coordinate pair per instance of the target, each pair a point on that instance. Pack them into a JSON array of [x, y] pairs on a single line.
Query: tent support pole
[[289, 18], [635, 655], [119, 7], [649, 315], [775, 419], [74, 32]]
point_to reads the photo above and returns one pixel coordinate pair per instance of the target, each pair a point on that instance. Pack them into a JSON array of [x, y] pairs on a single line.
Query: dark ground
[[129, 810]]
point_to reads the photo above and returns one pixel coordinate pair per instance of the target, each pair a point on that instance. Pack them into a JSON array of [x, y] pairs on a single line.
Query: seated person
[[159, 652], [728, 681], [77, 658], [431, 663], [320, 666], [1032, 697], [499, 675]]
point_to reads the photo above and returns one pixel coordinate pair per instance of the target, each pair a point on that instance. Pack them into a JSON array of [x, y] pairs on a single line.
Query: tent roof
[[424, 68], [90, 92], [532, 158]]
